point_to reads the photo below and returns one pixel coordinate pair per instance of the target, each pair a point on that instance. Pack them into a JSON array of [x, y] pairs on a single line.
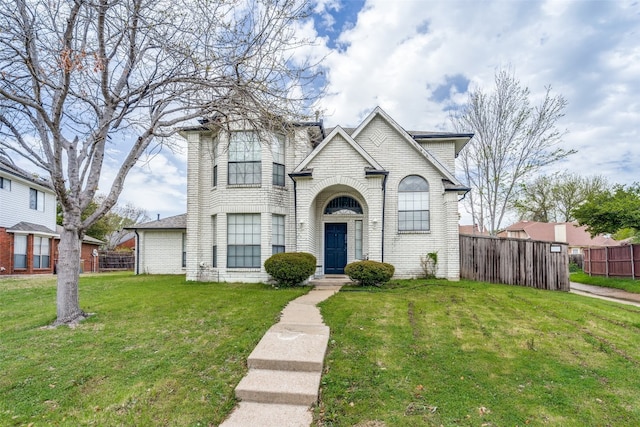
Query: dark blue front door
[[335, 248]]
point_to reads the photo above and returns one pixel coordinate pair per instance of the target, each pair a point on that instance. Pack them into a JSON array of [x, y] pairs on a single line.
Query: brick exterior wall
[[338, 170]]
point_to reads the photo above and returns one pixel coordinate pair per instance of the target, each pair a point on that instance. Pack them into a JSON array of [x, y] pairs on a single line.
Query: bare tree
[[513, 140], [78, 76]]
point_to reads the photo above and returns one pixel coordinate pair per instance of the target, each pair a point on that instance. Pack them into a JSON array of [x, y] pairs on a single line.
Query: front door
[[335, 248]]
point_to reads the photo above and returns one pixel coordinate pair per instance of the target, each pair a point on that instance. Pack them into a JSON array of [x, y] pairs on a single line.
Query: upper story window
[[36, 200], [5, 183], [413, 204], [245, 155], [277, 148]]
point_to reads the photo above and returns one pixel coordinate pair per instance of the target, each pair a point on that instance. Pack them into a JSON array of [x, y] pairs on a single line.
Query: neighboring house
[[88, 252], [27, 222], [375, 192], [472, 230], [571, 233], [126, 242], [160, 246]]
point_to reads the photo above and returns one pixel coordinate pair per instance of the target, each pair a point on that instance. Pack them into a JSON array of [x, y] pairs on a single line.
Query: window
[[277, 234], [214, 239], [358, 254], [277, 148], [243, 241], [36, 200], [184, 250], [343, 205], [19, 251], [215, 162], [245, 166], [40, 252], [5, 183], [413, 204]]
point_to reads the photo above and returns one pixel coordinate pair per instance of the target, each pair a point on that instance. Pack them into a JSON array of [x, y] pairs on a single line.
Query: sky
[[417, 60]]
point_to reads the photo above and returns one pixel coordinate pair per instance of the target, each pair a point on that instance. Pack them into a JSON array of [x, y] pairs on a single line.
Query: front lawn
[[472, 354], [158, 351], [625, 283]]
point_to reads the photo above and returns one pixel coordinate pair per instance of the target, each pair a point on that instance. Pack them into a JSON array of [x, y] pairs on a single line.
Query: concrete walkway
[[608, 294], [285, 367]]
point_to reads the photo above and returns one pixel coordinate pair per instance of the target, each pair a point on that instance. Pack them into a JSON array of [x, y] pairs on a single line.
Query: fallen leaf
[[420, 387]]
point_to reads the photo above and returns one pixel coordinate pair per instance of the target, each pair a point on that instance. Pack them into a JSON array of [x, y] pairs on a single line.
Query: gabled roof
[[176, 222], [349, 134], [339, 131], [576, 235]]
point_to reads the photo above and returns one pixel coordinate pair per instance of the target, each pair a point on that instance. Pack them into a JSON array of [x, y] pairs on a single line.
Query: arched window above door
[[343, 205]]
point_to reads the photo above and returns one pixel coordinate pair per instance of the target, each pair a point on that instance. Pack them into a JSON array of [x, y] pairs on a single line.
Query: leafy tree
[[109, 228], [80, 76], [513, 141], [610, 211], [552, 198]]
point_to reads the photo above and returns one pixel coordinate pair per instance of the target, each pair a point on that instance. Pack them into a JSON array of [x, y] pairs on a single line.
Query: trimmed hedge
[[370, 273], [290, 268]]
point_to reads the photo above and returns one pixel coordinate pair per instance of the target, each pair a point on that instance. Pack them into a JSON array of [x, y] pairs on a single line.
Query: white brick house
[[376, 192]]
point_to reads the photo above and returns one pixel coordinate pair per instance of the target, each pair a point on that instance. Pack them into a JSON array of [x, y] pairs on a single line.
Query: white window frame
[[277, 234], [245, 158], [243, 240], [413, 204]]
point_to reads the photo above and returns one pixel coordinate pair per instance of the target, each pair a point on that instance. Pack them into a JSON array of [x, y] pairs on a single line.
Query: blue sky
[[417, 60]]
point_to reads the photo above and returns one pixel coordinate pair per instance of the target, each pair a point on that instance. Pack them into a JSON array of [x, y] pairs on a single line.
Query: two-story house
[[27, 222], [375, 192]]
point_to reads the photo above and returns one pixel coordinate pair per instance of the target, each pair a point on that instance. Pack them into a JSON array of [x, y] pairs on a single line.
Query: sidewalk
[[609, 294], [286, 366]]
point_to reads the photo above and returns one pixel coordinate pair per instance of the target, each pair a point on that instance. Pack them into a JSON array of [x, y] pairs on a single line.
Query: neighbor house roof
[[176, 222], [569, 232], [30, 228], [11, 169]]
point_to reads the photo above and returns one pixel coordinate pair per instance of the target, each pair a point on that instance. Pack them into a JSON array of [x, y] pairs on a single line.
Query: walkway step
[[280, 387], [269, 415], [289, 347]]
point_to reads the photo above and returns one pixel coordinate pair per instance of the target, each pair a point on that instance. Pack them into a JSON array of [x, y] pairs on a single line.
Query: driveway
[[609, 294]]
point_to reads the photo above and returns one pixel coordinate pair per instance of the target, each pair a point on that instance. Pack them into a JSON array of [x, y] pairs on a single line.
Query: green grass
[[627, 284], [158, 351], [437, 353]]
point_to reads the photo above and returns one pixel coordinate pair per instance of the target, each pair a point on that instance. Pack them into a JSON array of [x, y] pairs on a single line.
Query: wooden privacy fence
[[115, 261], [613, 261], [535, 264]]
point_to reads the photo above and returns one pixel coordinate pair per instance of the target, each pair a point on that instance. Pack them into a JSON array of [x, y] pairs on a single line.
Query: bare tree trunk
[[68, 304]]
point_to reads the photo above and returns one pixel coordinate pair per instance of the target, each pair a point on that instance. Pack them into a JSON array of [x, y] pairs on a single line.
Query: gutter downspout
[[384, 199], [135, 230]]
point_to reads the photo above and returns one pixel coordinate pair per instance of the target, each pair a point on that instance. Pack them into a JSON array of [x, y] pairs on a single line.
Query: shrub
[[290, 268], [370, 273]]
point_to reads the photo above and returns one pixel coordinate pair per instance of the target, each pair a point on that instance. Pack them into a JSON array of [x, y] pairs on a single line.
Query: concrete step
[[269, 415], [279, 387], [289, 347]]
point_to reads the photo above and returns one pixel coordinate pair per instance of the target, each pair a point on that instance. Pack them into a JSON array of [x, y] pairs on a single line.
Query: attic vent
[[343, 205], [377, 137]]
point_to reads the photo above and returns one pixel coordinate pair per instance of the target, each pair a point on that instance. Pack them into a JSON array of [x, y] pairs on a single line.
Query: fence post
[[590, 269], [606, 261]]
